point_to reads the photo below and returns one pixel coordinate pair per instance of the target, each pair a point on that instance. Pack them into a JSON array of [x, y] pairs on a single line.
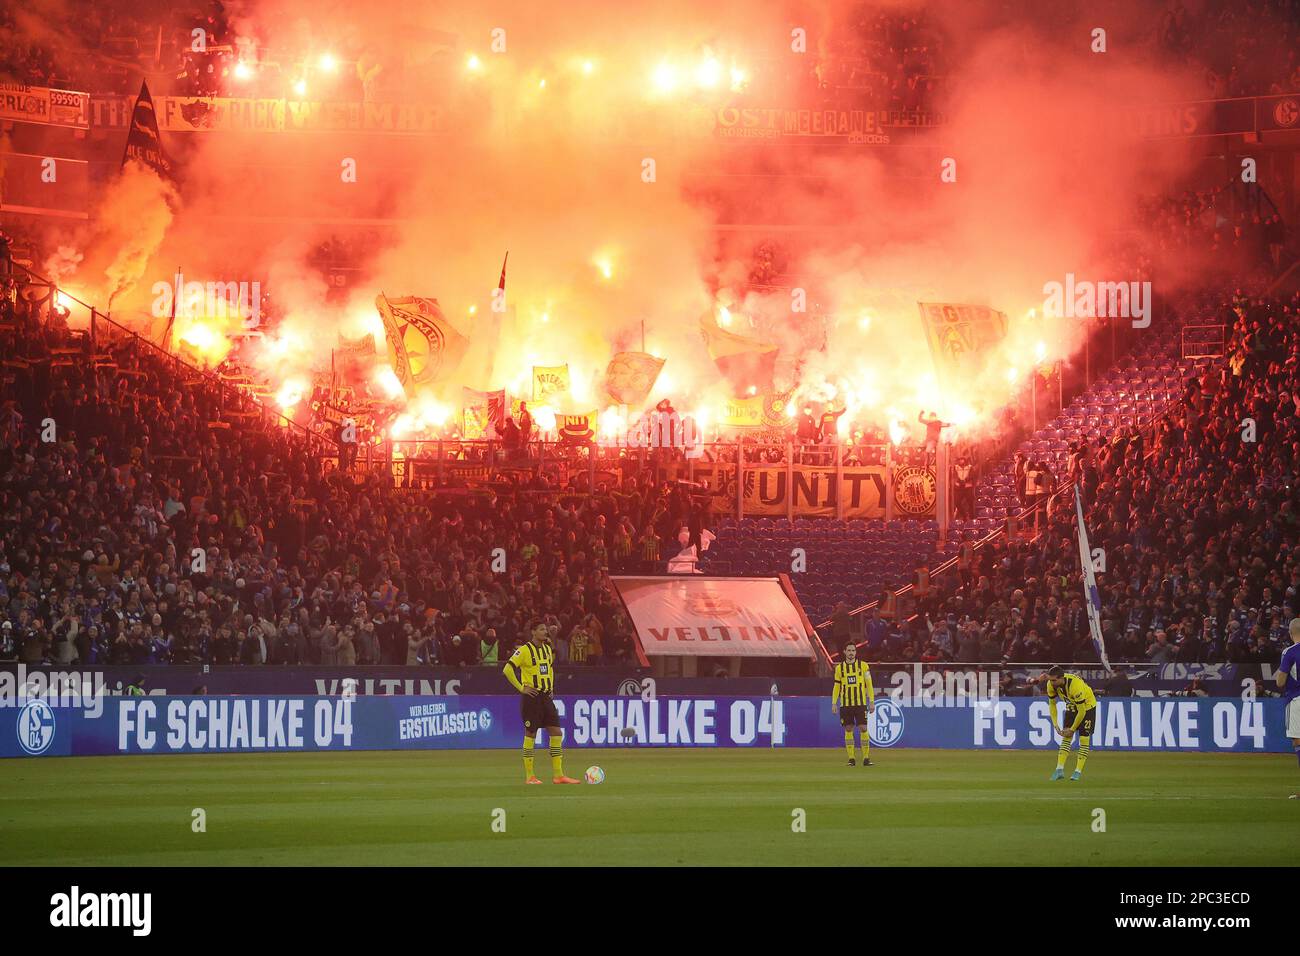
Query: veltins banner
[[700, 616]]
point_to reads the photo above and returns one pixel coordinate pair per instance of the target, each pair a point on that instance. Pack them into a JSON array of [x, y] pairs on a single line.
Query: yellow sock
[[529, 743], [848, 742], [866, 743], [1063, 752], [1085, 748], [557, 760]]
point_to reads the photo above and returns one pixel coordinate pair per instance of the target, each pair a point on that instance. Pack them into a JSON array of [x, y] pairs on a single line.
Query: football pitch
[[657, 807]]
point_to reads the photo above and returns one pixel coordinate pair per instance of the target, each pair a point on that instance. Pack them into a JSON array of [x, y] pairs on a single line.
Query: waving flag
[[423, 346], [630, 376], [1091, 596], [142, 141], [747, 363], [960, 335], [484, 412], [549, 380]]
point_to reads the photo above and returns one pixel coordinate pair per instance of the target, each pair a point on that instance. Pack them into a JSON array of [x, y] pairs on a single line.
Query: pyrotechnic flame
[[291, 393], [709, 73], [544, 417], [207, 342], [387, 379], [612, 424], [665, 78]]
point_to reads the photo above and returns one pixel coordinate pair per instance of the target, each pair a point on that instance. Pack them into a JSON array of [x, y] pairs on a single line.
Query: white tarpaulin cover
[[714, 617]]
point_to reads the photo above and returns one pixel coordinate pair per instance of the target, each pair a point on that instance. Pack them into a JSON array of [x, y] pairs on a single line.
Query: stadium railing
[[100, 322]]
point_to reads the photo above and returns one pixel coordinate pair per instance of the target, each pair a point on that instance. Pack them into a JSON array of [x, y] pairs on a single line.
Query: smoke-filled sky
[[543, 154]]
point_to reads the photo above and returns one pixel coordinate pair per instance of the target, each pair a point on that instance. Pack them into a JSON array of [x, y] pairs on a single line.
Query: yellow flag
[[423, 346], [549, 380], [631, 375]]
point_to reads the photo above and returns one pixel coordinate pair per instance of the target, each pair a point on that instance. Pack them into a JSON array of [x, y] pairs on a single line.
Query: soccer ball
[[595, 775]]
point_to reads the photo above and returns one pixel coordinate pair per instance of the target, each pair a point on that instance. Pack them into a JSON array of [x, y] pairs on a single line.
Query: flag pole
[[1091, 596]]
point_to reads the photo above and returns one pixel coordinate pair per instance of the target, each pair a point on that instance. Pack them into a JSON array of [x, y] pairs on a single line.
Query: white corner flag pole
[[775, 718], [1091, 596]]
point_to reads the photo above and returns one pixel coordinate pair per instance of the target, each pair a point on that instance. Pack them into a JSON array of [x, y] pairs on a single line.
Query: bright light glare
[[665, 78], [709, 73]]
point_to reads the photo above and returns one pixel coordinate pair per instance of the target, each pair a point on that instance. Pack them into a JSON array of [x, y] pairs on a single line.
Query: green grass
[[658, 807]]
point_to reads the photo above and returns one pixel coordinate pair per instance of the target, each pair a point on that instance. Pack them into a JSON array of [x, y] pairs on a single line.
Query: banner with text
[[702, 616], [38, 727], [49, 107], [816, 490]]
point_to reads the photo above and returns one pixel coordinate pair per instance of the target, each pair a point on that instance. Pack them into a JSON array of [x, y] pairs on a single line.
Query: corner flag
[[1091, 596]]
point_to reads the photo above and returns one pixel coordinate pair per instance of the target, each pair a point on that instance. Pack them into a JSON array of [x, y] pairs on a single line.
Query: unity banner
[[960, 335], [549, 380], [816, 490], [423, 347], [630, 376]]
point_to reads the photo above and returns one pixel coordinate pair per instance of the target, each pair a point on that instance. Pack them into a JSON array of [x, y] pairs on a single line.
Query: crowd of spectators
[[147, 516], [1240, 230], [1198, 520], [1243, 48], [885, 58]]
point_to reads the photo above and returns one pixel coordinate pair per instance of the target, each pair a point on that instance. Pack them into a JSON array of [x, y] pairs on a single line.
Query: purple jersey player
[[1288, 678]]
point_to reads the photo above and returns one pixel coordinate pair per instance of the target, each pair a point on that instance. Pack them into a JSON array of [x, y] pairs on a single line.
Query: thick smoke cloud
[[544, 154]]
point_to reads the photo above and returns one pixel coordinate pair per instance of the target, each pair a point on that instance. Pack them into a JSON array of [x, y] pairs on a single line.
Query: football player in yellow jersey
[[854, 698], [531, 669], [1080, 718]]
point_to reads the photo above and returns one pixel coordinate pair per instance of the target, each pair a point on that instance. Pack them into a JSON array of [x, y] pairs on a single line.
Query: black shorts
[[853, 715], [1086, 725], [538, 712]]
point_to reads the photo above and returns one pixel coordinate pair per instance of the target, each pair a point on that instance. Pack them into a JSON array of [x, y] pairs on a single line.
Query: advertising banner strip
[[181, 725], [41, 104], [921, 683]]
